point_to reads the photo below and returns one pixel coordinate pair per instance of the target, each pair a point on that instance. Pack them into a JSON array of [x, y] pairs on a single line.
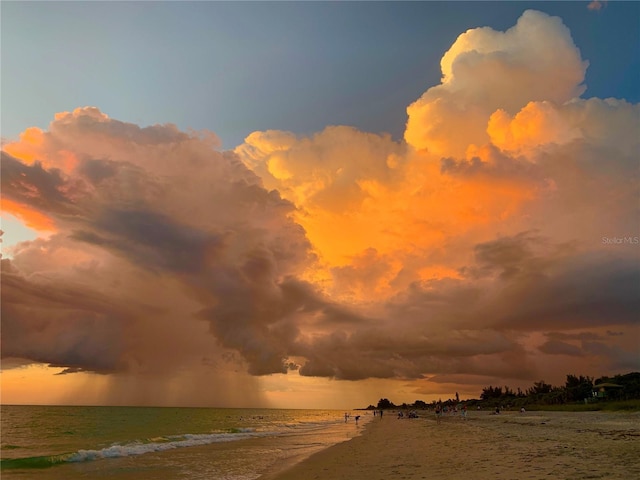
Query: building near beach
[[604, 390]]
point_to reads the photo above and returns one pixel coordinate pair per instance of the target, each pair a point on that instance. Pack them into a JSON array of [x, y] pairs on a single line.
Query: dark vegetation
[[620, 392]]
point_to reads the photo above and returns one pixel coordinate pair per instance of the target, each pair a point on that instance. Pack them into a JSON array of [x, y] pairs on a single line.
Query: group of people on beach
[[445, 410], [409, 414], [440, 411], [347, 415]]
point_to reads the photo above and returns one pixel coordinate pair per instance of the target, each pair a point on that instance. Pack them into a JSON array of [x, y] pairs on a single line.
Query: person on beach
[[438, 414], [357, 417]]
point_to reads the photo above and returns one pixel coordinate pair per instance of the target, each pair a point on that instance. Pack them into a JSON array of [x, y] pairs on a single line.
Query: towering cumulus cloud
[[499, 237], [484, 71]]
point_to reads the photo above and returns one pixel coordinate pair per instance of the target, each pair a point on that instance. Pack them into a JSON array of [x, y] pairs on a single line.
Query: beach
[[511, 445], [130, 443]]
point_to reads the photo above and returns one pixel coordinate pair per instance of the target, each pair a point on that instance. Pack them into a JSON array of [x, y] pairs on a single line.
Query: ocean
[[117, 443]]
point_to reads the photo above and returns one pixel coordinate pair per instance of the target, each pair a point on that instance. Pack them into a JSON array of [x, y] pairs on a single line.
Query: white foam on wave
[[160, 444]]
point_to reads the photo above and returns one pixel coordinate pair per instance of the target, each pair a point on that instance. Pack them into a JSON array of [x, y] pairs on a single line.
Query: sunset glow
[[29, 216], [332, 267]]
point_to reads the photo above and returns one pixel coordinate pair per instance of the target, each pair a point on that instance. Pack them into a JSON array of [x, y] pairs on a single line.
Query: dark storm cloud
[[44, 189], [508, 256], [98, 170], [152, 239], [406, 351], [599, 290], [265, 320], [617, 359], [61, 325]]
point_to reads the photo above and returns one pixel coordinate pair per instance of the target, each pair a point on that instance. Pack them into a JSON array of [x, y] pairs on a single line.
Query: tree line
[[576, 389]]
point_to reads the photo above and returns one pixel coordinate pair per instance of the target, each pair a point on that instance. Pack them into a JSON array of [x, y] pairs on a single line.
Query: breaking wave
[[156, 444]]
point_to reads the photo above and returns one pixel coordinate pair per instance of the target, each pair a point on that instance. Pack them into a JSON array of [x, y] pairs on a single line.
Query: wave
[[33, 462], [156, 444]]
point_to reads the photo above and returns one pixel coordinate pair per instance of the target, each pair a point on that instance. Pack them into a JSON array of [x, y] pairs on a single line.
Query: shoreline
[[292, 462], [532, 445]]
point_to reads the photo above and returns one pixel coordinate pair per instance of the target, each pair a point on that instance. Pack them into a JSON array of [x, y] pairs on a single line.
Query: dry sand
[[512, 445]]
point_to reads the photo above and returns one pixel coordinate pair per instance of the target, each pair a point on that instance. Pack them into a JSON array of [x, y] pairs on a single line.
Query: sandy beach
[[512, 445]]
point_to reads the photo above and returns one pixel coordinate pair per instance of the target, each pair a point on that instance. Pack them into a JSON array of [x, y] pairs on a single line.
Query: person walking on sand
[[438, 414]]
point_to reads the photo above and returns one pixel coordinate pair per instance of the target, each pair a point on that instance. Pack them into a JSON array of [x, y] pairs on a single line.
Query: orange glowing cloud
[[29, 148], [357, 193], [30, 217], [36, 145], [537, 124]]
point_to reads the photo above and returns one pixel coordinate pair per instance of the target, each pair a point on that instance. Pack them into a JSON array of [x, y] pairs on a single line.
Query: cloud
[[485, 70], [555, 347], [152, 225], [472, 249], [596, 5], [491, 218]]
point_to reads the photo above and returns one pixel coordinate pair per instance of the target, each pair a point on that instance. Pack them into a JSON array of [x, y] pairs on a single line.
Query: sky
[[316, 204]]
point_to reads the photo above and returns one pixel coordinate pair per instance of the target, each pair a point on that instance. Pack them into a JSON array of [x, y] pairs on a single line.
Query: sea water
[[58, 442]]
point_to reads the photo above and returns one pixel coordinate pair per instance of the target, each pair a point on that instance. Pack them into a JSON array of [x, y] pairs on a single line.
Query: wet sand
[[512, 445]]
